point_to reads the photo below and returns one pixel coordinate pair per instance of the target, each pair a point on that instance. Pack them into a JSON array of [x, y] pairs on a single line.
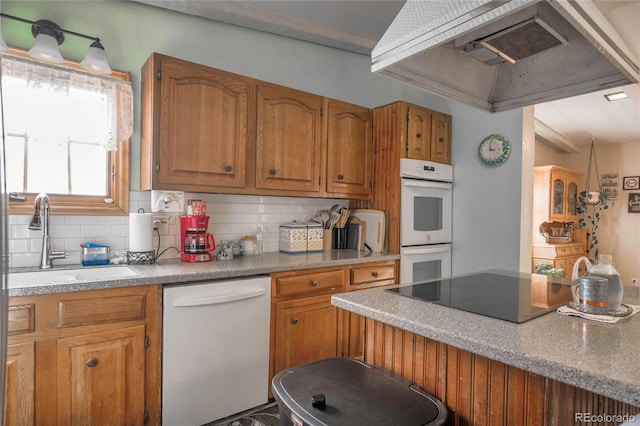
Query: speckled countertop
[[603, 358], [175, 271]]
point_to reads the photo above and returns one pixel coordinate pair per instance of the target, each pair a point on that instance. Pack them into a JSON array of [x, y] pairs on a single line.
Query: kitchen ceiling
[[357, 25]]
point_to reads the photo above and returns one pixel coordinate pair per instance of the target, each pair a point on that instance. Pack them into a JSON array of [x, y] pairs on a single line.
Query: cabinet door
[[349, 149], [307, 329], [101, 378], [202, 126], [418, 133], [572, 198], [441, 138], [289, 133], [558, 194], [19, 391]]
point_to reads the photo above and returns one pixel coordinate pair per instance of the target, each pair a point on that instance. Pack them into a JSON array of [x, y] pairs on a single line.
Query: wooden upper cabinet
[[349, 150], [196, 126], [288, 139], [418, 133], [555, 193], [428, 135], [441, 138]]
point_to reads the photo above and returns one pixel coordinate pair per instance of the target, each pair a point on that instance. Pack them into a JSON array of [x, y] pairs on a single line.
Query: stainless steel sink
[[68, 276]]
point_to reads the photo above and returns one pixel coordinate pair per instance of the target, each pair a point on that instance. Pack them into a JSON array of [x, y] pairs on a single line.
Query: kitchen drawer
[[21, 319], [373, 275], [552, 251], [309, 282], [100, 310]]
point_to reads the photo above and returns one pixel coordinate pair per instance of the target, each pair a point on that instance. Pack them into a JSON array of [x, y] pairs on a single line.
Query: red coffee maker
[[196, 243]]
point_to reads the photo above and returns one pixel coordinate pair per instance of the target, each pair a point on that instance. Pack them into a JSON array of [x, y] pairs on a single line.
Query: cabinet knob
[[272, 172], [314, 283], [92, 362], [294, 321], [374, 274], [228, 168], [441, 139], [419, 135], [340, 177]]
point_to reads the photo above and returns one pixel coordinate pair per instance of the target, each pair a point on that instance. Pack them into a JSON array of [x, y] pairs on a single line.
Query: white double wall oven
[[426, 201]]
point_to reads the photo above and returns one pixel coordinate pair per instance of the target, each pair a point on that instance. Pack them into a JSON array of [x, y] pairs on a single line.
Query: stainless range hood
[[504, 54]]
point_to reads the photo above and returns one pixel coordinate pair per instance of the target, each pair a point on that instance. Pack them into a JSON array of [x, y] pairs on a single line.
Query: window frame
[[86, 205]]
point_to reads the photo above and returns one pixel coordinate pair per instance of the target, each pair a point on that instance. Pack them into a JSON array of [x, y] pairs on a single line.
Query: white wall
[[486, 200]]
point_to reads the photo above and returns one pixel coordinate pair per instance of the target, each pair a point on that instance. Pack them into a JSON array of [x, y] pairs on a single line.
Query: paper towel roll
[[140, 232]]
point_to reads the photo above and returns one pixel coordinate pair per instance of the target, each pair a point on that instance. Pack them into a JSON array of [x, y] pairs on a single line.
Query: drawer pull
[[340, 177], [272, 172], [92, 362], [314, 283], [375, 274], [228, 168], [294, 321], [418, 135]]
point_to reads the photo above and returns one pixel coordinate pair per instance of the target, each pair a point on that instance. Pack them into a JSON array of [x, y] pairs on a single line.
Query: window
[[66, 134]]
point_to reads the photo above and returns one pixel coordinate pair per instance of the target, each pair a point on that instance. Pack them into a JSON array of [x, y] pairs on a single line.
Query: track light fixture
[[48, 36]]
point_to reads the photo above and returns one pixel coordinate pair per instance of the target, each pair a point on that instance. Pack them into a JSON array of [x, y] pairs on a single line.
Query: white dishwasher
[[215, 359]]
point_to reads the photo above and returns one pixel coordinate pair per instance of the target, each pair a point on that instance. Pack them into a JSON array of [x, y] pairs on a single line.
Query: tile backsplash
[[232, 217]]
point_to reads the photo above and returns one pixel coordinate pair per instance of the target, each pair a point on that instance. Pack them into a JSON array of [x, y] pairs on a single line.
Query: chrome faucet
[[37, 223]]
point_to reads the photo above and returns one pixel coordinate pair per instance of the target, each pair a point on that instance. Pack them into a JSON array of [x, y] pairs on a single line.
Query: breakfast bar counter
[[547, 370]]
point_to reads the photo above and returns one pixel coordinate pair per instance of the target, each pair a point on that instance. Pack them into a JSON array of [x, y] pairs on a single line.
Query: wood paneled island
[[551, 370]]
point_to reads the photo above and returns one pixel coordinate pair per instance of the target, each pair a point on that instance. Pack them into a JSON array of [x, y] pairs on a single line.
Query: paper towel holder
[[148, 256]]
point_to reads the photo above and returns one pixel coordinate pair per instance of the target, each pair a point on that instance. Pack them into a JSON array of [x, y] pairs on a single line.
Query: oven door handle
[[427, 250], [426, 184]]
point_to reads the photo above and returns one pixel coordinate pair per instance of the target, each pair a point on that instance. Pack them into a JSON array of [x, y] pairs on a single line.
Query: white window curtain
[[117, 95]]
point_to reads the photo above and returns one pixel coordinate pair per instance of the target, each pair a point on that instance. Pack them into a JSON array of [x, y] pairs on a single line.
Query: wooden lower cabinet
[[305, 326], [558, 255], [362, 277], [103, 376], [20, 384], [307, 330], [85, 358], [480, 391]]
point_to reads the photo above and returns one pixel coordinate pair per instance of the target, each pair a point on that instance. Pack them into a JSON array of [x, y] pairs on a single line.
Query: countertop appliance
[[426, 201], [495, 293], [215, 349], [196, 244]]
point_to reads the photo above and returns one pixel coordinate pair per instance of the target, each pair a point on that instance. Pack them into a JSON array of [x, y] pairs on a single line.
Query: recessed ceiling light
[[616, 96]]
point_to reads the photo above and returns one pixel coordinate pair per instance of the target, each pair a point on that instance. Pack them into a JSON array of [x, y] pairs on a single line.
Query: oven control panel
[[427, 170]]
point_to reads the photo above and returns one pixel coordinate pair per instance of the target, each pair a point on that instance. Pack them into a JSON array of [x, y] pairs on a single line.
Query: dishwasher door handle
[[217, 300]]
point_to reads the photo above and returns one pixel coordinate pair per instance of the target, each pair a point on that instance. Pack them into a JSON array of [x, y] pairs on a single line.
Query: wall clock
[[494, 150]]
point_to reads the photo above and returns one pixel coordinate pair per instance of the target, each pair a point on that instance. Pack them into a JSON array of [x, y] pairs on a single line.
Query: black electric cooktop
[[505, 295]]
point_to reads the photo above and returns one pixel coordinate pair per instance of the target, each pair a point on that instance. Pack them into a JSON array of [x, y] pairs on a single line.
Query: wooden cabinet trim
[[79, 312]]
